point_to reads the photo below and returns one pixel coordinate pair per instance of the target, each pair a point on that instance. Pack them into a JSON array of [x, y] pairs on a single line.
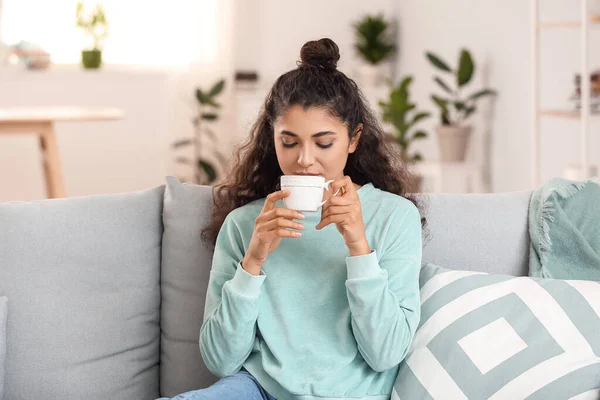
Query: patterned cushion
[[486, 336]]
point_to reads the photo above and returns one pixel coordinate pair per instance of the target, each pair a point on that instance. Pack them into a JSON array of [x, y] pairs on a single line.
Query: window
[[140, 32]]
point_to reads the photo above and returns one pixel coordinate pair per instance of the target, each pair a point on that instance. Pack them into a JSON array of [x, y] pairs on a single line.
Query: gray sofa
[[106, 293]]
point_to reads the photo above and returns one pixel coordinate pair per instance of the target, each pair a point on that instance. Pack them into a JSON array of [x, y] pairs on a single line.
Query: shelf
[[566, 114], [594, 19]]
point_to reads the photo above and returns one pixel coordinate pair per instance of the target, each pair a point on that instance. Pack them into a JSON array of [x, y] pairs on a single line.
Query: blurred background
[[479, 95]]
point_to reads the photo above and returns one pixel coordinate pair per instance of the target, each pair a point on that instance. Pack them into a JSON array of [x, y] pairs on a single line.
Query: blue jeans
[[241, 385]]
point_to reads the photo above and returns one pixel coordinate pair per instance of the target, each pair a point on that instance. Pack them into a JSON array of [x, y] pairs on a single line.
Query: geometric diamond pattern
[[490, 346], [509, 338]]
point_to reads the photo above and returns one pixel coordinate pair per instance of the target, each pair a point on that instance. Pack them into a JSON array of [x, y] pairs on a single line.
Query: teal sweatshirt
[[317, 323]]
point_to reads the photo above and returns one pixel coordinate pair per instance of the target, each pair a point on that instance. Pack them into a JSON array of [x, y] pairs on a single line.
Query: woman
[[319, 305]]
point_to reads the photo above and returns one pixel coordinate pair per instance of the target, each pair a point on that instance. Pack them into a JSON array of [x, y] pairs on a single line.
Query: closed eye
[[291, 145], [325, 146]]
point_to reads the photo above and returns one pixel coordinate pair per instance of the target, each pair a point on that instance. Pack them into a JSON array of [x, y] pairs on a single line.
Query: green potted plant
[[95, 26], [204, 170], [375, 43], [455, 108], [401, 113]]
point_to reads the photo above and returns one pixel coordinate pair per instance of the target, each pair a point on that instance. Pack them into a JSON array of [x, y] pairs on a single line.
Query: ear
[[354, 142]]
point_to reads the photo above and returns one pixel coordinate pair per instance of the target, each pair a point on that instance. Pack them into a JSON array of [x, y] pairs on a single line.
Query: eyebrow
[[316, 135]]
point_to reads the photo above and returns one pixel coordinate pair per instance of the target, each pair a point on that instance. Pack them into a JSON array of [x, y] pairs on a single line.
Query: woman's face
[[312, 142]]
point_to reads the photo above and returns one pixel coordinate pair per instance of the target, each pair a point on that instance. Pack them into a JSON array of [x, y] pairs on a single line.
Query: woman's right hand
[[272, 225]]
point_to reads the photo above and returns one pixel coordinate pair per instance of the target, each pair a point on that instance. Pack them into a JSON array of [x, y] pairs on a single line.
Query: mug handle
[[326, 187]]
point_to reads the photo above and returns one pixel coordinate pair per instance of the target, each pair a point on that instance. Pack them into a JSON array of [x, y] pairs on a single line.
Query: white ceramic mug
[[306, 192]]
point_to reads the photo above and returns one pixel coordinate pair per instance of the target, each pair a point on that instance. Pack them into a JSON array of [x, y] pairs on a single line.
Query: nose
[[305, 158]]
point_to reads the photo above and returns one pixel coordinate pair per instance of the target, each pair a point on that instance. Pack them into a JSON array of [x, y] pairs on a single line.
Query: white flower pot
[[371, 75], [453, 142]]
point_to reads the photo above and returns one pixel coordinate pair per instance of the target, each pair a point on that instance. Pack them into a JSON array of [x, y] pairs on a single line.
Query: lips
[[307, 174]]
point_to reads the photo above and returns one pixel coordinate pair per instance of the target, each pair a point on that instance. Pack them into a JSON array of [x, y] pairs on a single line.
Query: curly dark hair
[[315, 83]]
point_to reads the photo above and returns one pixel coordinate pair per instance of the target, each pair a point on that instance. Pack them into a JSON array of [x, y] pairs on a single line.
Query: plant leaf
[[182, 142], [441, 103], [208, 169], [374, 42], [443, 84], [418, 117], [205, 99], [437, 62], [217, 88], [405, 84], [446, 119], [200, 96], [469, 111], [482, 93], [466, 67], [209, 116], [416, 157], [420, 135], [401, 142]]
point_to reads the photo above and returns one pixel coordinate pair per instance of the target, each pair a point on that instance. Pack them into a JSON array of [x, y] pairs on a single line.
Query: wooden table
[[40, 121]]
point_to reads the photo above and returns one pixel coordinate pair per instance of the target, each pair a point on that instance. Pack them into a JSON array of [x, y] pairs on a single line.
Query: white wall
[[270, 33], [110, 157], [126, 155], [497, 33], [97, 157]]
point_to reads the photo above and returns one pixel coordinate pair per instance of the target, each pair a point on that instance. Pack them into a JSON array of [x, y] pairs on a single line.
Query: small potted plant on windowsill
[[454, 132], [96, 27]]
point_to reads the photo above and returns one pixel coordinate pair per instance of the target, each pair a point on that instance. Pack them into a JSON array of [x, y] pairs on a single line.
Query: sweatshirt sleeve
[[232, 302], [383, 294]]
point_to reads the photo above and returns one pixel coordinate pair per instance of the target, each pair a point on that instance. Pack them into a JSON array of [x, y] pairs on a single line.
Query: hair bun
[[322, 53]]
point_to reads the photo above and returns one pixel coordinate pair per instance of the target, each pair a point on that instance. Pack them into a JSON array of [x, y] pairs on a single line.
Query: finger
[[273, 198], [281, 223], [280, 212], [338, 201], [333, 210], [282, 233], [344, 184], [335, 219]]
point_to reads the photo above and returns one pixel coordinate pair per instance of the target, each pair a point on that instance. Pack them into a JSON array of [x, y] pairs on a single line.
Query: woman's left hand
[[345, 211]]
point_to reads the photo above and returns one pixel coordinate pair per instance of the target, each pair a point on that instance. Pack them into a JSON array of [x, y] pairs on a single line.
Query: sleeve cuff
[[245, 283], [364, 266]]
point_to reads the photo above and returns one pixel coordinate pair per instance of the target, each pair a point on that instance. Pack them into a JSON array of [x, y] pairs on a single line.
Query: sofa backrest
[[482, 232], [186, 263], [97, 286], [82, 277], [478, 232]]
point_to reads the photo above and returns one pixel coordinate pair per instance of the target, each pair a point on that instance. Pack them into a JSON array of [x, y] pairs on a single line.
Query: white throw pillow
[[485, 336]]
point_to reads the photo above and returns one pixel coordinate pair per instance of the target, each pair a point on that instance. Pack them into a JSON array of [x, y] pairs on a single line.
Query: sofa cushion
[[82, 276], [501, 337], [186, 262], [3, 315], [478, 232]]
